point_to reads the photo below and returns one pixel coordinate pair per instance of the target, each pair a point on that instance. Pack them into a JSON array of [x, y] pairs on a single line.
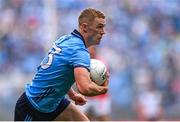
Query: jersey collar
[[77, 34]]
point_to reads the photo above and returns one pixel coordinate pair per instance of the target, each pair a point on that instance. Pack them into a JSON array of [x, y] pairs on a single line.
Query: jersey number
[[50, 57]]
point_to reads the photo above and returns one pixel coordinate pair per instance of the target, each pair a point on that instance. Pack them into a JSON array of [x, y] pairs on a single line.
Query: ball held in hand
[[98, 71]]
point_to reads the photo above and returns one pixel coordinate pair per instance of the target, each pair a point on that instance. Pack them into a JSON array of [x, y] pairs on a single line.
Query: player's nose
[[103, 31]]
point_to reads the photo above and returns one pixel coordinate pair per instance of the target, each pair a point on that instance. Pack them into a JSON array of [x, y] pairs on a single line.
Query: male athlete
[[68, 61]]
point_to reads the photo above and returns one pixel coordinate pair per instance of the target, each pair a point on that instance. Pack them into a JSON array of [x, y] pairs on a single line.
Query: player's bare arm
[[85, 85]]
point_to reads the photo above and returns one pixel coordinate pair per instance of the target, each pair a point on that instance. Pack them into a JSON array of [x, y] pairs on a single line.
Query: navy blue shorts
[[25, 111]]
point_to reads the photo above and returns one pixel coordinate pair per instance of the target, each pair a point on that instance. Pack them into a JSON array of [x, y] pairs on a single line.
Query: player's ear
[[85, 27]]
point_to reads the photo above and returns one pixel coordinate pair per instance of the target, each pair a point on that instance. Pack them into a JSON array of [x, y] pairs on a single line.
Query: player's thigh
[[71, 113]]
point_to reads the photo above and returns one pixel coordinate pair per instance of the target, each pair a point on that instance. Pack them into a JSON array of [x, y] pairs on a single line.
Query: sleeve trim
[[83, 67]]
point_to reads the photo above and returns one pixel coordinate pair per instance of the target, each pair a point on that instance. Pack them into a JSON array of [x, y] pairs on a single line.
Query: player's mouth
[[100, 38]]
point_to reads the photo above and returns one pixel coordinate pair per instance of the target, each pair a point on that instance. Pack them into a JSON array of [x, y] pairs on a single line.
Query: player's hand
[[79, 99]]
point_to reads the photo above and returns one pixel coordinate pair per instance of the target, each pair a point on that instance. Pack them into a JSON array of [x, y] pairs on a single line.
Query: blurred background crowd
[[141, 46]]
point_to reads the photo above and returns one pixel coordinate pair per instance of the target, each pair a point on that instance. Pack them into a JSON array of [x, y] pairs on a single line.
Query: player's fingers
[[80, 103], [107, 74], [106, 82]]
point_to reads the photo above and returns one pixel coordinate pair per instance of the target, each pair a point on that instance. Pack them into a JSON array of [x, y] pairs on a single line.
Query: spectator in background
[[148, 104]]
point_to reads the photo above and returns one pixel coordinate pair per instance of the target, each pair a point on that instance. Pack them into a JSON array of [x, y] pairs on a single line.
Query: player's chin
[[98, 41]]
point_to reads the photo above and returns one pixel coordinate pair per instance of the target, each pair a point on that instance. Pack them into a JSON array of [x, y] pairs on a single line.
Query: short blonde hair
[[89, 14]]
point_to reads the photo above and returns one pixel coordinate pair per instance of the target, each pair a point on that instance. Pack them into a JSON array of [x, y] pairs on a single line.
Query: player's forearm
[[93, 90], [97, 91]]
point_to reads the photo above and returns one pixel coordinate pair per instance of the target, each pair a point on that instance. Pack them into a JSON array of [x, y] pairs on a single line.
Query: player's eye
[[100, 26]]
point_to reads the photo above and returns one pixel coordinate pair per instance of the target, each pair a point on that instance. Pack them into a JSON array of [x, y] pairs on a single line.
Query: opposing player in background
[[98, 107], [67, 62]]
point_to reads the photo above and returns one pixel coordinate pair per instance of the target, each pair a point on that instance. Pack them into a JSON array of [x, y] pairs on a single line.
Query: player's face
[[96, 31]]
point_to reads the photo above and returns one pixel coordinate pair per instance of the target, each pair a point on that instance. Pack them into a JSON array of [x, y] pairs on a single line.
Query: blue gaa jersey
[[55, 75]]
